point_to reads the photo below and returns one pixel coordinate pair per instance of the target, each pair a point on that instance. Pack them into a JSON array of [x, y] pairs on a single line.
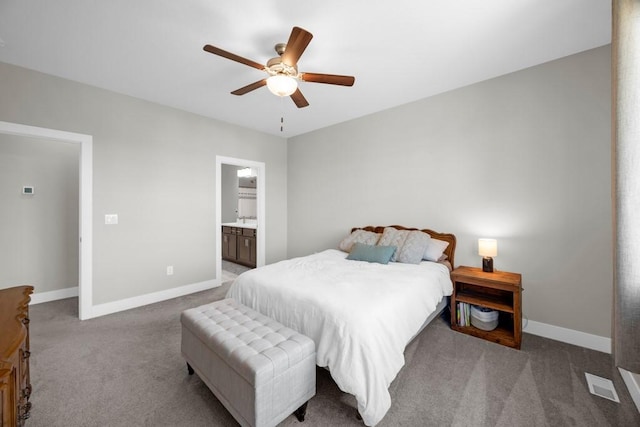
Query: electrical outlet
[[111, 219], [170, 270]]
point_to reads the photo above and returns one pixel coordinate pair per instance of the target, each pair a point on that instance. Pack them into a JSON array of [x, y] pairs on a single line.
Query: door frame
[[85, 264], [260, 209]]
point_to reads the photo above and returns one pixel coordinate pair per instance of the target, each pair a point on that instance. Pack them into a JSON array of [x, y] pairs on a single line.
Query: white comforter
[[360, 315]]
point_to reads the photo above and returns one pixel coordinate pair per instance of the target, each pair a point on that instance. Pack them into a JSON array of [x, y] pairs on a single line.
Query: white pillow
[[435, 250], [358, 236], [414, 247], [393, 237]]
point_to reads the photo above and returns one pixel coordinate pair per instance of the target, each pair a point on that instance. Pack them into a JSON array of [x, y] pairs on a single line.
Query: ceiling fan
[[283, 70]]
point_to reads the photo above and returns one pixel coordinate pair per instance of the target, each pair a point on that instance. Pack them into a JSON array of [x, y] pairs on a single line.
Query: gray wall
[[523, 158], [154, 166], [39, 243]]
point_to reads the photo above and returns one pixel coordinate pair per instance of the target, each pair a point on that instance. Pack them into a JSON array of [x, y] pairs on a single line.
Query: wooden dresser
[[15, 384]]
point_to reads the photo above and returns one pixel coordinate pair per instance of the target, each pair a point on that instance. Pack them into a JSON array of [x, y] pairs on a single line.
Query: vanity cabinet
[[246, 247], [239, 245], [15, 382], [229, 243]]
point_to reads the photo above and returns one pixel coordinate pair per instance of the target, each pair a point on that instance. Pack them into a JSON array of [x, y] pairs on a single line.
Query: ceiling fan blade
[[298, 42], [299, 99], [249, 88], [232, 56], [331, 79]]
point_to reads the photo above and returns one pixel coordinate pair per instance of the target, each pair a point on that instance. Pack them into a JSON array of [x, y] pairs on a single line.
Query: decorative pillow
[[371, 253], [358, 236], [414, 247], [393, 237], [435, 249]]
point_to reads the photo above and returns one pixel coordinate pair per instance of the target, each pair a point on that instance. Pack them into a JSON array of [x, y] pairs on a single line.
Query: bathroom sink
[[249, 223]]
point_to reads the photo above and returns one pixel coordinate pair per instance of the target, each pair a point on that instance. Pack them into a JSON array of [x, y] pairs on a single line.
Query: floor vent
[[602, 387]]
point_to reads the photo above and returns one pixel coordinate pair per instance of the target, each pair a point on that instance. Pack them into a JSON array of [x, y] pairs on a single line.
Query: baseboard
[[570, 336], [632, 381], [557, 333], [40, 297], [139, 301]]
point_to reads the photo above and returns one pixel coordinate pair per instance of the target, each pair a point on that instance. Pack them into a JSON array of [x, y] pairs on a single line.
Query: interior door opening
[[85, 233], [239, 216]]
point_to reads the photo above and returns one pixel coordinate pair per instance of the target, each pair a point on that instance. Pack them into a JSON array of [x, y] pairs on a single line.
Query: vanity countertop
[[240, 224]]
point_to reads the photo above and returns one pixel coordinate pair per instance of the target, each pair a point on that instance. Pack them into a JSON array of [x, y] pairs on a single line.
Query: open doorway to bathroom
[[240, 216]]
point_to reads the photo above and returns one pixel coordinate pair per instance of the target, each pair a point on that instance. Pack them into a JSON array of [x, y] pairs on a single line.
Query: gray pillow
[[413, 247], [393, 237], [371, 253], [359, 236]]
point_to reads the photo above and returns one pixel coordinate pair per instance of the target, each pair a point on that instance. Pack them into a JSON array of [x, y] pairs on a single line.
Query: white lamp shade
[[487, 247], [282, 85]]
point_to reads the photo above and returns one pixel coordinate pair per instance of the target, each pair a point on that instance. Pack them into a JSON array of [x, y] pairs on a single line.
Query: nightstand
[[501, 291]]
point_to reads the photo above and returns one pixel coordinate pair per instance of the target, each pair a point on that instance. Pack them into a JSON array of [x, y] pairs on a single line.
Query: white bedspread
[[361, 315]]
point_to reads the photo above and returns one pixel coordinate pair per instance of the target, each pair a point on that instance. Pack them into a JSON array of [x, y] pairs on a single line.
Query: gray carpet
[[126, 370], [231, 270], [234, 268]]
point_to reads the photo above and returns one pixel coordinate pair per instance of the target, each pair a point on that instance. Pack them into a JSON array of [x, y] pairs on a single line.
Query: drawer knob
[[26, 321], [26, 354]]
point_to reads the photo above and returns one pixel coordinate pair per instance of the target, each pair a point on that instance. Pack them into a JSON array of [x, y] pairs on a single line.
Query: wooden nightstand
[[500, 291]]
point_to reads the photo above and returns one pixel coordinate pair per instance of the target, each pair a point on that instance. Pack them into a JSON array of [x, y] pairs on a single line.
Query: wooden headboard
[[450, 251]]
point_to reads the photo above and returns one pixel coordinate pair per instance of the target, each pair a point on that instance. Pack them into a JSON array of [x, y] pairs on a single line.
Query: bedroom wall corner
[[523, 158]]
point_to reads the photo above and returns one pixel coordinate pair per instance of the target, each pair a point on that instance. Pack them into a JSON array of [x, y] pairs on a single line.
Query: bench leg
[[301, 412], [189, 369]]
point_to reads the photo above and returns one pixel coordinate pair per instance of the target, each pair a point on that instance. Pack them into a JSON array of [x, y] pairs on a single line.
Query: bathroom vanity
[[239, 243]]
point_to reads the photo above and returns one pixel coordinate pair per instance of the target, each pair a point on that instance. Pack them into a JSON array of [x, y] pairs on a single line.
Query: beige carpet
[[126, 370]]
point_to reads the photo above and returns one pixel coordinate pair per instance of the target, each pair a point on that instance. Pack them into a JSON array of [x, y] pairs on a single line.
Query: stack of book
[[463, 315]]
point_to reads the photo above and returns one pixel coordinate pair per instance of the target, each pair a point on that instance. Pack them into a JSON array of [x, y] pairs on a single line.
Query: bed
[[361, 315]]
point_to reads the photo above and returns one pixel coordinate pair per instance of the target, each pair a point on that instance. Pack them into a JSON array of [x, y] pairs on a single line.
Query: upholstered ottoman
[[260, 370]]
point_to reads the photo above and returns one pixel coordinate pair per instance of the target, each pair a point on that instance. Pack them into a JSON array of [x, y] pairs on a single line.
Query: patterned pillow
[[358, 236], [414, 247], [393, 237]]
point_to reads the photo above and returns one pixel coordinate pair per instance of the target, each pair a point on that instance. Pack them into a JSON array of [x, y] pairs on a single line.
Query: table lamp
[[487, 248]]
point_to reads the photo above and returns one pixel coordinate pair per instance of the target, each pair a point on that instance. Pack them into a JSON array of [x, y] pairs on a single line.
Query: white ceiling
[[399, 51]]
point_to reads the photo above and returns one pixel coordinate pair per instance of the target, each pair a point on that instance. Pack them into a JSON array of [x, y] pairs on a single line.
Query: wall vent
[[602, 387]]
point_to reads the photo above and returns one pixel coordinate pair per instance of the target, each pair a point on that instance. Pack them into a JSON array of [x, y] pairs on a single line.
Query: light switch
[[111, 219]]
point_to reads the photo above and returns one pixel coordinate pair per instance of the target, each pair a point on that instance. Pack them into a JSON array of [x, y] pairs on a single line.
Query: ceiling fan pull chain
[[282, 114]]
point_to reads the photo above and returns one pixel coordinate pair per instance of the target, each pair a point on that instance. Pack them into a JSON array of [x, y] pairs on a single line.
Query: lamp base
[[487, 264]]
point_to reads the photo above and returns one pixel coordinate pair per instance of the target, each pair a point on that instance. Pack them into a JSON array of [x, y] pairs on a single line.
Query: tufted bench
[[260, 370]]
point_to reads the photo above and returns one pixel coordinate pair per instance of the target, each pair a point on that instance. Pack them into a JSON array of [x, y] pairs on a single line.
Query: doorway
[[85, 194], [258, 169]]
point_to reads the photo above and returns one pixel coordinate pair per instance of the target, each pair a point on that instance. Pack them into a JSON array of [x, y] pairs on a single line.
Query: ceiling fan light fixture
[[282, 71], [282, 85]]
